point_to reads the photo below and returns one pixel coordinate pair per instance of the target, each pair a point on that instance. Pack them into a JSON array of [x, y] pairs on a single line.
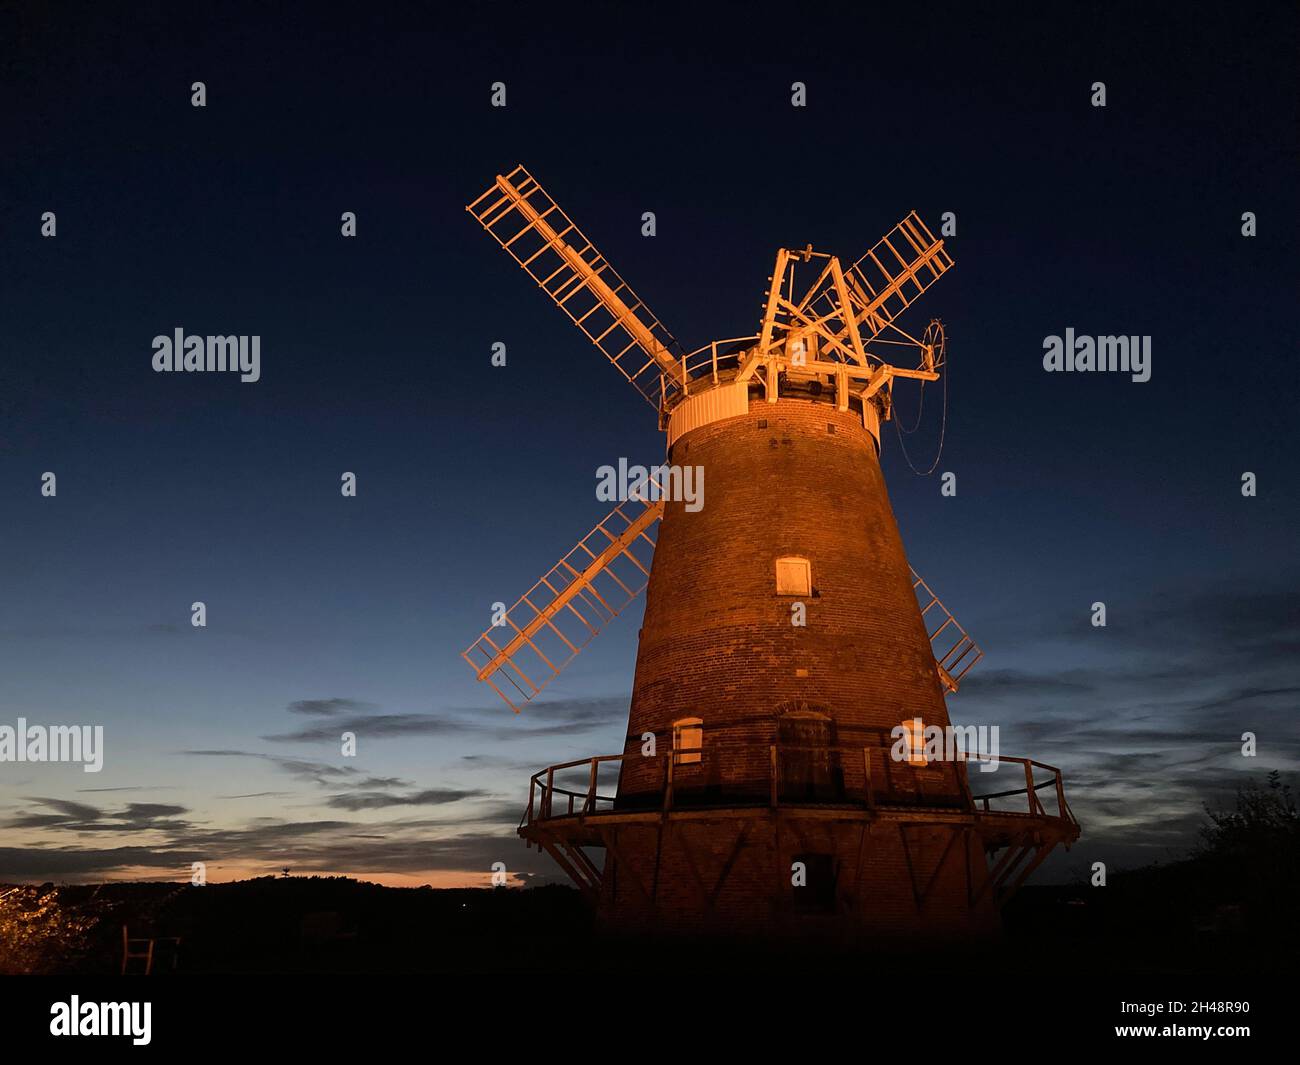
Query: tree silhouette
[[1264, 824], [1252, 854]]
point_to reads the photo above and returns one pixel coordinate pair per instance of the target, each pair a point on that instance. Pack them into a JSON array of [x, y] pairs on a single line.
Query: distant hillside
[[307, 924], [1231, 907], [1154, 919]]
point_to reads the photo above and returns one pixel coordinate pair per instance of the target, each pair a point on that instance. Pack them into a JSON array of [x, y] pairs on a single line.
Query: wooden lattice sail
[[517, 212]]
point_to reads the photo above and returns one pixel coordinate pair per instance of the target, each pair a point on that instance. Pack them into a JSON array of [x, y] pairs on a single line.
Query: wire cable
[[943, 430]]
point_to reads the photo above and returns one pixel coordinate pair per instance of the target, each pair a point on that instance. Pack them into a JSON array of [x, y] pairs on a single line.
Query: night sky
[[327, 614]]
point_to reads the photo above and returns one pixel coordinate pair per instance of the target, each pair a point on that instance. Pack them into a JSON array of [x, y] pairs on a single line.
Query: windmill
[[786, 640]]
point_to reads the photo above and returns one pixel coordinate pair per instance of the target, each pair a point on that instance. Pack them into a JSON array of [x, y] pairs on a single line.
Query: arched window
[[688, 739], [793, 576], [807, 756]]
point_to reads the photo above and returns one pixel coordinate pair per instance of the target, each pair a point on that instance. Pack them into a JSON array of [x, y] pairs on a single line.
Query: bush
[[39, 933]]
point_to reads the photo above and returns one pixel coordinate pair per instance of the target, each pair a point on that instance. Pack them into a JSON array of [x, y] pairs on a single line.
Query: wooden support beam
[[563, 862], [911, 869], [943, 857], [690, 864], [1023, 851], [773, 294], [581, 859], [846, 312], [1044, 849], [741, 840], [996, 871], [611, 846]]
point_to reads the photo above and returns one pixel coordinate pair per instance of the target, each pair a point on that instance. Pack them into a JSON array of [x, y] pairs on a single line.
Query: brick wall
[[791, 478], [876, 879], [717, 642]]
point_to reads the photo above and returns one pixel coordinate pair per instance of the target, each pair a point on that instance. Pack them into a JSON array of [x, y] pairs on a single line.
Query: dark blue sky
[[473, 480]]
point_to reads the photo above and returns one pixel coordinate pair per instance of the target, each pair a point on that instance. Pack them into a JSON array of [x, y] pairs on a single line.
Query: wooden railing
[[706, 360], [851, 781], [1031, 789]]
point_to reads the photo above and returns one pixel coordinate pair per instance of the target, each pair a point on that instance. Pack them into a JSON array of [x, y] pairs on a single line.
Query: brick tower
[[787, 650]]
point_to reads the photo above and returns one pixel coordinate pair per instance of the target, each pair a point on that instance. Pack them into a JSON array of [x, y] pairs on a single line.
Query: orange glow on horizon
[[437, 878]]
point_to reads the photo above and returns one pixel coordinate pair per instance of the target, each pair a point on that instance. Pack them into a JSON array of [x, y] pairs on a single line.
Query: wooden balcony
[[575, 804]]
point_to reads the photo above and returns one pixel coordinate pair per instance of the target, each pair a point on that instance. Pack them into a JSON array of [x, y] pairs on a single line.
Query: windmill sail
[[885, 282], [558, 616], [540, 237], [955, 653]]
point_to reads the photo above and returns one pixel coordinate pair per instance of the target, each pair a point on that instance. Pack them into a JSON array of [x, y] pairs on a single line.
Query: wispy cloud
[[555, 718], [321, 773], [375, 800], [59, 814], [377, 725], [1150, 729], [328, 706]]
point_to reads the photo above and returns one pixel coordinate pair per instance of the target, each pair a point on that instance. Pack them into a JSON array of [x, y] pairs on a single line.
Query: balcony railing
[[708, 361], [797, 775]]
